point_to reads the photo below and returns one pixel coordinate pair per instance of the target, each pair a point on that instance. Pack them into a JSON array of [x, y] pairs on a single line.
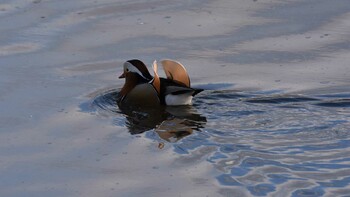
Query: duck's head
[[135, 67], [138, 78]]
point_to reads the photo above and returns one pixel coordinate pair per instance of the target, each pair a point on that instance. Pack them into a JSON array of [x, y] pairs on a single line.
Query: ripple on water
[[258, 141]]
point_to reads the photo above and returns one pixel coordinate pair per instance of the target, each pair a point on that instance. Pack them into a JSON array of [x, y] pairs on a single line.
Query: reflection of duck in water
[[170, 123], [141, 89], [144, 98], [184, 120]]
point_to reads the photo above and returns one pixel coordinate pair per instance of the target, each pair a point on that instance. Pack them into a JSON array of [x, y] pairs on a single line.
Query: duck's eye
[[127, 70]]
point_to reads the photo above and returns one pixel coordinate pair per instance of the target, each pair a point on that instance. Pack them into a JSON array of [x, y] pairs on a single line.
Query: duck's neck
[[130, 82]]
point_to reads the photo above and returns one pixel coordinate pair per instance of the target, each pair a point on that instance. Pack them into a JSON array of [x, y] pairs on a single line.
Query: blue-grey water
[[261, 142], [273, 120]]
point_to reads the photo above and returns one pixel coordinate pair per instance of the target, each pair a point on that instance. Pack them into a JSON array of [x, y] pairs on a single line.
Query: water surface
[[259, 142], [273, 121]]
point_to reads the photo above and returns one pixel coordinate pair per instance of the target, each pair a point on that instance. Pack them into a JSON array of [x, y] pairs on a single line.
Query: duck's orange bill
[[122, 76]]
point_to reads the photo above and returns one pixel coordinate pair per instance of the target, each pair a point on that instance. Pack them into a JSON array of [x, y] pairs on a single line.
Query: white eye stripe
[[131, 68]]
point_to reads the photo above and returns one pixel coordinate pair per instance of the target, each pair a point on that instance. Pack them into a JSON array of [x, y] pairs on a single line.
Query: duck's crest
[[141, 67]]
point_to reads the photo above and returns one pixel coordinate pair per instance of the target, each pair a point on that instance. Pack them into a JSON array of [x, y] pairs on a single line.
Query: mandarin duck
[[142, 89]]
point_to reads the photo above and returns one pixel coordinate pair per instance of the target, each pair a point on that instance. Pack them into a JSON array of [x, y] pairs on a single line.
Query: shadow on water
[[259, 141]]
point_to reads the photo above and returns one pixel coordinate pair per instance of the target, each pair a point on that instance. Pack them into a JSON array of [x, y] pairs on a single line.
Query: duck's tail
[[196, 91]]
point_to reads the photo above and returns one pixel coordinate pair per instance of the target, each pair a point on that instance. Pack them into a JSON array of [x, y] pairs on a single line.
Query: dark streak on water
[[260, 142]]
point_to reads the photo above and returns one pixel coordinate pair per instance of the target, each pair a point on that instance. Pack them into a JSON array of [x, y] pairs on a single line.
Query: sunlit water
[[260, 142]]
